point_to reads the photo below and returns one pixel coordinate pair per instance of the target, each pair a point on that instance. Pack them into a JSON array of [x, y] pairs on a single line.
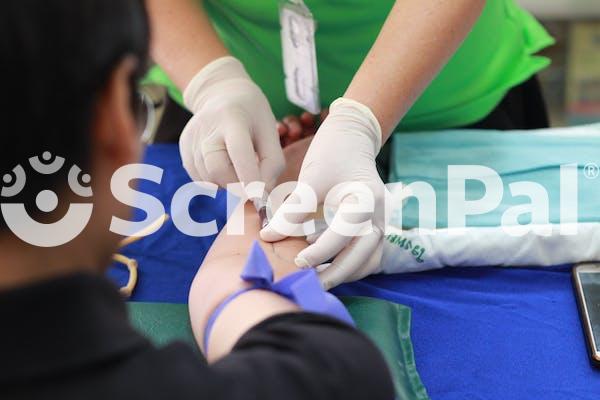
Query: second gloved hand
[[232, 136], [340, 169]]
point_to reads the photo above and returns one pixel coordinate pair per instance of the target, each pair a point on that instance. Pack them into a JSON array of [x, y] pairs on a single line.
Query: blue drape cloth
[[484, 333]]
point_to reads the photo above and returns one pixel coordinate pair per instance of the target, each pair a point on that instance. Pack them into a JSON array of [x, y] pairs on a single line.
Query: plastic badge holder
[[298, 29]]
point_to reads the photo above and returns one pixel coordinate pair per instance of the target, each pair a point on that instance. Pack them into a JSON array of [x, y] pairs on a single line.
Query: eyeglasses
[[145, 112]]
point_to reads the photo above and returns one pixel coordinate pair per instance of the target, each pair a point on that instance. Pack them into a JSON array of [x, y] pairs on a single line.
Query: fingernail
[[322, 267], [264, 233], [302, 263]]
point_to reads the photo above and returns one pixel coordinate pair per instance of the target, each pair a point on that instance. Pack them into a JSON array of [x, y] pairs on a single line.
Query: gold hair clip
[[130, 263]]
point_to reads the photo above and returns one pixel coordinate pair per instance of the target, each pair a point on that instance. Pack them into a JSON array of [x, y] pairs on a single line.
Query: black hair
[[55, 58]]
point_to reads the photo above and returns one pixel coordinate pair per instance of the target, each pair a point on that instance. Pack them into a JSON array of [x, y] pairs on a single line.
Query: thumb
[[291, 218]]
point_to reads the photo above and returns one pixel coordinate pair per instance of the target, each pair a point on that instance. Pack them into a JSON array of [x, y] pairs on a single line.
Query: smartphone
[[586, 279]]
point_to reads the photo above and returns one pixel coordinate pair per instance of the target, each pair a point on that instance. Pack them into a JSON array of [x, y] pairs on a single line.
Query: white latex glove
[[342, 152], [232, 136]]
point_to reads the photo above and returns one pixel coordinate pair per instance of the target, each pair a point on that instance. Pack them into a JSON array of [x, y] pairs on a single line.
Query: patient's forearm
[[284, 357], [219, 277]]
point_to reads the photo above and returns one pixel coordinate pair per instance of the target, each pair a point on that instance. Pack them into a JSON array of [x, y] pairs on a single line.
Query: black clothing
[[70, 338], [522, 108]]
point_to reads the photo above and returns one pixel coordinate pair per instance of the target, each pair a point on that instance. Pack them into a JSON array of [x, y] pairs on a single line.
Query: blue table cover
[[484, 333]]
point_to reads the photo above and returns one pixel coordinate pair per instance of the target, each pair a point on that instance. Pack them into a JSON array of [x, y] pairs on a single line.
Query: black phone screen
[[590, 283]]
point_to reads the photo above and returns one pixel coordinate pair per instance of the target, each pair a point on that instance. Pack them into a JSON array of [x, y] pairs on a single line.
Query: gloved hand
[[342, 153], [232, 136]]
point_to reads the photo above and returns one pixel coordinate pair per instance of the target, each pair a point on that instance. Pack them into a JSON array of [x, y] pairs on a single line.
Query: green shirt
[[497, 55]]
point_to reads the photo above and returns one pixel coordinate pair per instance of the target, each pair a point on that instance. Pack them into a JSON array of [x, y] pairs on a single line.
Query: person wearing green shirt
[[383, 66]]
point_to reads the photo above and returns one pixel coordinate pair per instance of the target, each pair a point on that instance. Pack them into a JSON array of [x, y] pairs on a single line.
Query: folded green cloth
[[387, 324]]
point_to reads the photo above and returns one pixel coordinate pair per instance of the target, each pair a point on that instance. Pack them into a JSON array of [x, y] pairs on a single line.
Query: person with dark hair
[[71, 68]]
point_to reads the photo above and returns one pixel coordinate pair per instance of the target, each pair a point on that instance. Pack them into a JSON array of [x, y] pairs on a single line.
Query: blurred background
[[572, 84]]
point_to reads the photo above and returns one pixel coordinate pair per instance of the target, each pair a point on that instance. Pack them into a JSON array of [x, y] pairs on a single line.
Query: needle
[[261, 208]]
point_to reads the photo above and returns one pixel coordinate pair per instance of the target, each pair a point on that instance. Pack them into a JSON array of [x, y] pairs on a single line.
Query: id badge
[[299, 55]]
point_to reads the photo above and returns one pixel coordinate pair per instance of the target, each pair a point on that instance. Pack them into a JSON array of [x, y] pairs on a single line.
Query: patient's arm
[[219, 276], [296, 356]]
